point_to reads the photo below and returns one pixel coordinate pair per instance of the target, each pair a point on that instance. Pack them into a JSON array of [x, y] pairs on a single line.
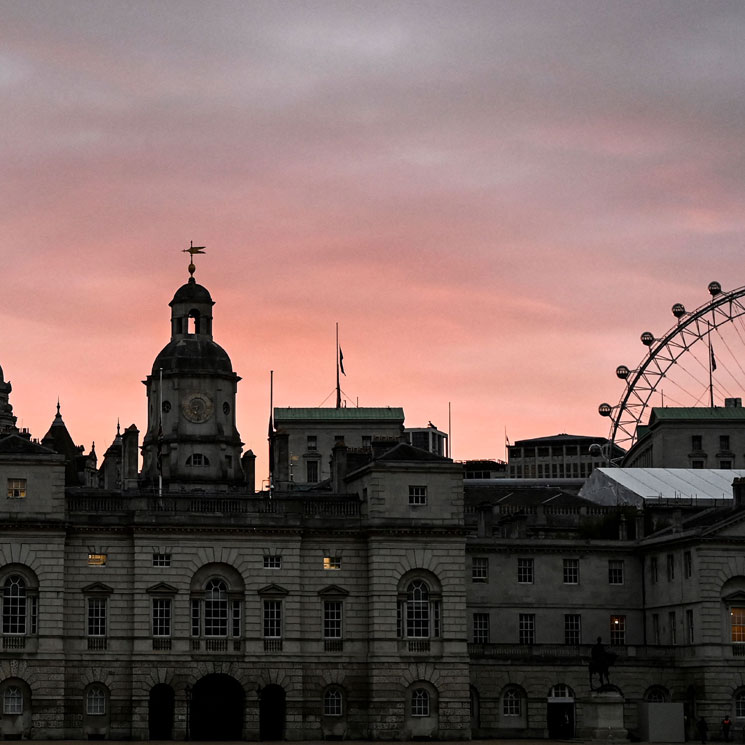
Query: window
[[161, 616], [332, 702], [525, 571], [97, 560], [655, 628], [737, 624], [697, 464], [97, 616], [479, 569], [311, 471], [653, 569], [615, 571], [724, 442], [617, 631], [572, 629], [332, 562], [312, 442], [16, 488], [419, 612], [526, 628], [670, 567], [511, 703], [19, 607], [332, 619], [420, 702], [687, 565], [571, 571], [216, 608], [725, 464], [696, 442], [480, 628], [161, 560], [689, 626], [656, 695], [272, 619], [272, 562], [417, 495], [367, 441], [95, 701], [197, 460], [13, 700], [672, 623], [740, 704]]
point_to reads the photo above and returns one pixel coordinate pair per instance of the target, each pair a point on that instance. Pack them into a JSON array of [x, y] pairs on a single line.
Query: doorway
[[160, 712], [272, 713], [217, 703]]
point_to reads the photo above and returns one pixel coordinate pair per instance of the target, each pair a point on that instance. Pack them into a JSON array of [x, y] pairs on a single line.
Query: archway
[[272, 713], [217, 702], [160, 712], [560, 712]]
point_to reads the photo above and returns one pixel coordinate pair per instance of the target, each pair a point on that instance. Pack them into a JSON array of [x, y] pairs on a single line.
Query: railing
[[160, 645], [419, 645], [216, 645], [97, 643], [333, 645], [272, 645], [580, 653], [14, 642]]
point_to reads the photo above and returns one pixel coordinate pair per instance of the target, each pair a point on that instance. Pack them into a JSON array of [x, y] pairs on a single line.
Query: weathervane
[[193, 250]]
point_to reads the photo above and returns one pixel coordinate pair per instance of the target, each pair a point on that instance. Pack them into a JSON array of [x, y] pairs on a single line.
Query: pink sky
[[493, 199]]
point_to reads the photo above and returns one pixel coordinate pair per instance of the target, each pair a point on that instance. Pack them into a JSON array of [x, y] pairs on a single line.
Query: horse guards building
[[371, 592]]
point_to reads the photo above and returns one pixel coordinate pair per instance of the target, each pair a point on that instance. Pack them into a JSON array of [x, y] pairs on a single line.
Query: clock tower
[[191, 439]]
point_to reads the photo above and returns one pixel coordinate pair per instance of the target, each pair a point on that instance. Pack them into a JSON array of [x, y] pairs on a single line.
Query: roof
[[405, 452], [350, 414], [16, 445], [192, 354], [635, 485], [561, 438], [677, 413], [192, 292], [521, 495]]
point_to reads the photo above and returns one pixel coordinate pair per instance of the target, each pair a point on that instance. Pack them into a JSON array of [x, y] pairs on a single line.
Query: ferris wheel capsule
[[623, 372], [605, 409], [647, 338], [714, 288], [679, 310]]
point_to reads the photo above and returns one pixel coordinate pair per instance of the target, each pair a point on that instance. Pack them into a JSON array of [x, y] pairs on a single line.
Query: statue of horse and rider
[[600, 662]]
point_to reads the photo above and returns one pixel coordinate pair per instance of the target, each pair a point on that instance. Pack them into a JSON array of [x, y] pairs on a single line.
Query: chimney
[[732, 403], [248, 462], [130, 448], [339, 466], [623, 533], [738, 492]]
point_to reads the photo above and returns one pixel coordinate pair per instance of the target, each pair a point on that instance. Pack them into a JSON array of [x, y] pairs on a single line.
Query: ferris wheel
[[697, 362]]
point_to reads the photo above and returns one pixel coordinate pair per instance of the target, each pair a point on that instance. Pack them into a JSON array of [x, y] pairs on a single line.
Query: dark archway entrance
[[217, 703], [160, 712], [272, 713]]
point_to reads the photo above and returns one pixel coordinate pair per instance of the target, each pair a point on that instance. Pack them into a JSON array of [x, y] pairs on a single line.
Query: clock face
[[197, 407]]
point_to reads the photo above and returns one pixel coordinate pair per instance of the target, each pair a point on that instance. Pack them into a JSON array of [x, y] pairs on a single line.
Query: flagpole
[[160, 435], [338, 383], [271, 433]]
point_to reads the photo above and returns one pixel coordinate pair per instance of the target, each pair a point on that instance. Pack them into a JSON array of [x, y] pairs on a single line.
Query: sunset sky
[[492, 199]]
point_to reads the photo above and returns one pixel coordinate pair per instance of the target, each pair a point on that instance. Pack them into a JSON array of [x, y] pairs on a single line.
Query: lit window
[[571, 571], [420, 702], [272, 562], [525, 571], [161, 560], [737, 623], [97, 560], [479, 569], [332, 702], [572, 629], [13, 700], [16, 488], [480, 628], [526, 628], [511, 703], [615, 571], [618, 631], [95, 701], [332, 562], [417, 495]]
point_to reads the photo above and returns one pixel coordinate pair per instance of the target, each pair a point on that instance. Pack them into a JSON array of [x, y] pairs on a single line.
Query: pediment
[[735, 597], [333, 591], [162, 588], [273, 591], [98, 588]]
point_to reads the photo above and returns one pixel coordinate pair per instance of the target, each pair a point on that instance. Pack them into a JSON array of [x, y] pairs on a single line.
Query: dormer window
[[197, 460]]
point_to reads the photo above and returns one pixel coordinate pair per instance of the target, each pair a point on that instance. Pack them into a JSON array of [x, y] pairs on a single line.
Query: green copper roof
[[351, 414], [699, 412]]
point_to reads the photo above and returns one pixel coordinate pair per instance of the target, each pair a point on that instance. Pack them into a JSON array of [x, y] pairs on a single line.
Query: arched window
[[193, 322], [419, 612], [216, 608], [95, 701], [512, 703], [740, 703], [656, 695], [20, 609], [420, 702], [197, 460], [13, 700], [333, 702]]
